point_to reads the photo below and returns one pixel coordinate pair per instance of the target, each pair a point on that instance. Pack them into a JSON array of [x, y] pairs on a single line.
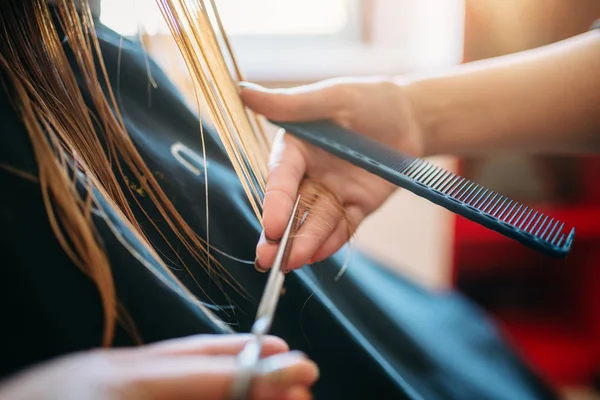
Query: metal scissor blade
[[272, 292], [250, 355]]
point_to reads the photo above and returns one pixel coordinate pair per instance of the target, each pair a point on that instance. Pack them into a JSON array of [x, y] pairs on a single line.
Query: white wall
[[428, 31], [410, 234]]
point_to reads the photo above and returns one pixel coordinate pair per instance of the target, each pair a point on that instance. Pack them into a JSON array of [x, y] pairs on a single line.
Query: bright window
[[303, 40], [242, 17]]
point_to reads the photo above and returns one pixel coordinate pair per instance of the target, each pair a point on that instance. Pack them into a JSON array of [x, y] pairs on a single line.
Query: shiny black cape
[[373, 334]]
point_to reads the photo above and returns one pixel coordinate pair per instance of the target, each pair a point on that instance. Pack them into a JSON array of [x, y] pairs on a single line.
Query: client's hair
[[65, 133]]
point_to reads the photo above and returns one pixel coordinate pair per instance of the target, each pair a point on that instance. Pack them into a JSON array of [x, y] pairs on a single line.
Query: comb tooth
[[562, 237], [483, 198], [468, 191], [546, 237], [410, 166], [447, 179], [458, 187], [558, 232], [506, 209], [473, 195], [424, 167], [401, 164], [463, 188], [515, 214], [455, 181], [490, 198], [427, 175], [440, 179], [418, 169], [500, 207], [431, 177], [533, 218], [423, 172], [524, 219], [492, 203], [542, 224], [432, 172]]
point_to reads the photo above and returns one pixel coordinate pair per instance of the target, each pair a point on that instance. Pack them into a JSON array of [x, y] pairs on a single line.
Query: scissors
[[249, 357]]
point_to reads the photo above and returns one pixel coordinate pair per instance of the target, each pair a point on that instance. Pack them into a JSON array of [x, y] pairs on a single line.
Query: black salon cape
[[373, 334]]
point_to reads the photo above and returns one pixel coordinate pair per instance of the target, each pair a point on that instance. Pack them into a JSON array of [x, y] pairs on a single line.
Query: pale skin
[[545, 100], [199, 368]]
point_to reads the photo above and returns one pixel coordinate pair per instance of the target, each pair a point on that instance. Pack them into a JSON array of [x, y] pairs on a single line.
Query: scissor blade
[[270, 297]]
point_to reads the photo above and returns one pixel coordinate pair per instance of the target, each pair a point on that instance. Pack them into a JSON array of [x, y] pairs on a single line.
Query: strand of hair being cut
[[198, 42]]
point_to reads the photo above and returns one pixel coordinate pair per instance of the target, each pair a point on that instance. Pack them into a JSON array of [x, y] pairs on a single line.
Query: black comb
[[492, 210]]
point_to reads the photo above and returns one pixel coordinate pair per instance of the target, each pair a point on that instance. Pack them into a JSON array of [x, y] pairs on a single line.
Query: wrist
[[425, 109], [443, 114]]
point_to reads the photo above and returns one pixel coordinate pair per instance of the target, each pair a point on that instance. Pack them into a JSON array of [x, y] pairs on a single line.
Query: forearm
[[544, 100]]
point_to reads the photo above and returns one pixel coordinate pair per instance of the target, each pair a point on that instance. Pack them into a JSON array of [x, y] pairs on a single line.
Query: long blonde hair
[[65, 138], [65, 133]]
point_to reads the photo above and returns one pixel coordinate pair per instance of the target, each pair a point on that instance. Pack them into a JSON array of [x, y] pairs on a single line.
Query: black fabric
[[373, 334]]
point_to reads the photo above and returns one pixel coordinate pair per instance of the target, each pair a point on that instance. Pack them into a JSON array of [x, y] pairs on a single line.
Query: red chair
[[549, 309]]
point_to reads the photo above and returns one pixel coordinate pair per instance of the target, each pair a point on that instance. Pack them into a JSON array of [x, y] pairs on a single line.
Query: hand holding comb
[[459, 195]]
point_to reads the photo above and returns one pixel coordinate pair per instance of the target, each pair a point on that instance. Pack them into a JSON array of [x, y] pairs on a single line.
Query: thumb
[[321, 100]]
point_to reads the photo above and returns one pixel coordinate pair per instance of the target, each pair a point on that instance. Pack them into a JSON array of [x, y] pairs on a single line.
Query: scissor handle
[[248, 358]]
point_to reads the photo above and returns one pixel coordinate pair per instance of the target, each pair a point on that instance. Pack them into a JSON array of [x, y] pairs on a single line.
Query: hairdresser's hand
[[378, 108], [199, 368]]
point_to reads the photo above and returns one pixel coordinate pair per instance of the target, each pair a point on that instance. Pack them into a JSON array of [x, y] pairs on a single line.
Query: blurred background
[[549, 310]]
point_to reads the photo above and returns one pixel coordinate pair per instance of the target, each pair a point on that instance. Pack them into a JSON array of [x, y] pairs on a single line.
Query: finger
[[280, 373], [343, 232], [287, 167], [215, 345], [322, 100], [297, 393], [211, 377], [324, 215]]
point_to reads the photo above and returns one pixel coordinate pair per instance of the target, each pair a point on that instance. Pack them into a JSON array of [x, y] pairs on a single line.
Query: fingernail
[[251, 86], [299, 353], [272, 241], [310, 261], [259, 267], [279, 368], [262, 239]]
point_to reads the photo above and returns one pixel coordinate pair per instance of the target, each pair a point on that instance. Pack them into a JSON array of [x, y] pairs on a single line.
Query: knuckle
[[279, 190], [290, 172], [344, 94]]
